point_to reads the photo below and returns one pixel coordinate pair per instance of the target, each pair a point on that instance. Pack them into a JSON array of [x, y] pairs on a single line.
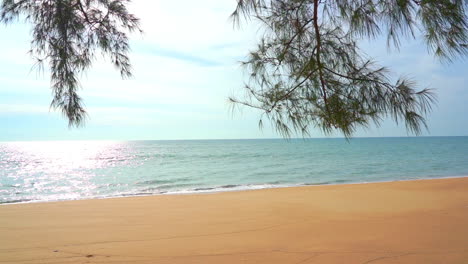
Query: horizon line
[[220, 139]]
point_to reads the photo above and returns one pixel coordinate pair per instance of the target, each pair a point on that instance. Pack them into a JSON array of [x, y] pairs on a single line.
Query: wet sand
[[414, 222]]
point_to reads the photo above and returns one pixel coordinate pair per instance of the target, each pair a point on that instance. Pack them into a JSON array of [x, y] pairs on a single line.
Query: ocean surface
[[68, 170]]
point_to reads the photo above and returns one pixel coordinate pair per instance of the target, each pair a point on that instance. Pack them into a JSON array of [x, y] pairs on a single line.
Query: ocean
[[70, 170]]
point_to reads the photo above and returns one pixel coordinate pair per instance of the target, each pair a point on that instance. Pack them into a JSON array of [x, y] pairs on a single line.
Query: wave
[[190, 189], [203, 189], [16, 201], [163, 181], [229, 186]]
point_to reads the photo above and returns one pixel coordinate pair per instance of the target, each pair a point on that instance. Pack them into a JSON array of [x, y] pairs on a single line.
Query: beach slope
[[422, 221]]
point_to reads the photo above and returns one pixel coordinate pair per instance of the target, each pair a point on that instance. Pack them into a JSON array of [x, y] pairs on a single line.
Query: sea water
[[67, 170]]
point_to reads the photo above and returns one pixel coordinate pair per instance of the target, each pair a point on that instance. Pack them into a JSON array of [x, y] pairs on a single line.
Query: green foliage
[[308, 70], [67, 34]]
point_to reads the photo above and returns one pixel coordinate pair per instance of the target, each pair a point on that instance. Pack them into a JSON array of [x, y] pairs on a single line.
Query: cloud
[[23, 109], [201, 29], [178, 55]]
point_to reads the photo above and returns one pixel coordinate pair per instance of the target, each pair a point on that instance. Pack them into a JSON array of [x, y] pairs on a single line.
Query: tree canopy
[[66, 35], [308, 69]]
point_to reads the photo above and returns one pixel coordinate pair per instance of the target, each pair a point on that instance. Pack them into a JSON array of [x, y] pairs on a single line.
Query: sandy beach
[[422, 221]]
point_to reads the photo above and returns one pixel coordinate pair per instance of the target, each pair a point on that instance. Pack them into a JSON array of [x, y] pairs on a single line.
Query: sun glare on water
[[62, 169]]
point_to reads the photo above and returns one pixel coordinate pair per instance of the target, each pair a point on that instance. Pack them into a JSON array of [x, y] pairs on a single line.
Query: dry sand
[[398, 222]]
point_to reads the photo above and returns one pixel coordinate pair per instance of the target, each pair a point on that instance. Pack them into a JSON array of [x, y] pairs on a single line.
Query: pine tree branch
[[80, 5], [292, 90], [317, 55], [288, 44], [357, 79]]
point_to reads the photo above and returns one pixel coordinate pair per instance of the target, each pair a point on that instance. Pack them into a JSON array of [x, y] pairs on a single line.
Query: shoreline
[[422, 221], [222, 189]]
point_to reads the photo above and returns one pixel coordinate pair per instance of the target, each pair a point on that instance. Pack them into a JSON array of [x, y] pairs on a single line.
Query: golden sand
[[398, 222]]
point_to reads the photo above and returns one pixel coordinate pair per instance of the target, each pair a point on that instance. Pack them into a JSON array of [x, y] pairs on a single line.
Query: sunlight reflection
[[60, 169]]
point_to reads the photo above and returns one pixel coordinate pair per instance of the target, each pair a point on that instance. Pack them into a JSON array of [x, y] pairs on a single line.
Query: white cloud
[[188, 25], [23, 109]]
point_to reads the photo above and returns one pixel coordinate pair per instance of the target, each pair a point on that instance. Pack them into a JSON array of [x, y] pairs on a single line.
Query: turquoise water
[[66, 170]]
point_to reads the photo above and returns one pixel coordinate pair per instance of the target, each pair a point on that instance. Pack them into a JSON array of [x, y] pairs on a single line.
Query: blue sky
[[185, 66]]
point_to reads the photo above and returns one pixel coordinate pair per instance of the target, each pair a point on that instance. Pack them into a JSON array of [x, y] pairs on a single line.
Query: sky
[[185, 66]]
